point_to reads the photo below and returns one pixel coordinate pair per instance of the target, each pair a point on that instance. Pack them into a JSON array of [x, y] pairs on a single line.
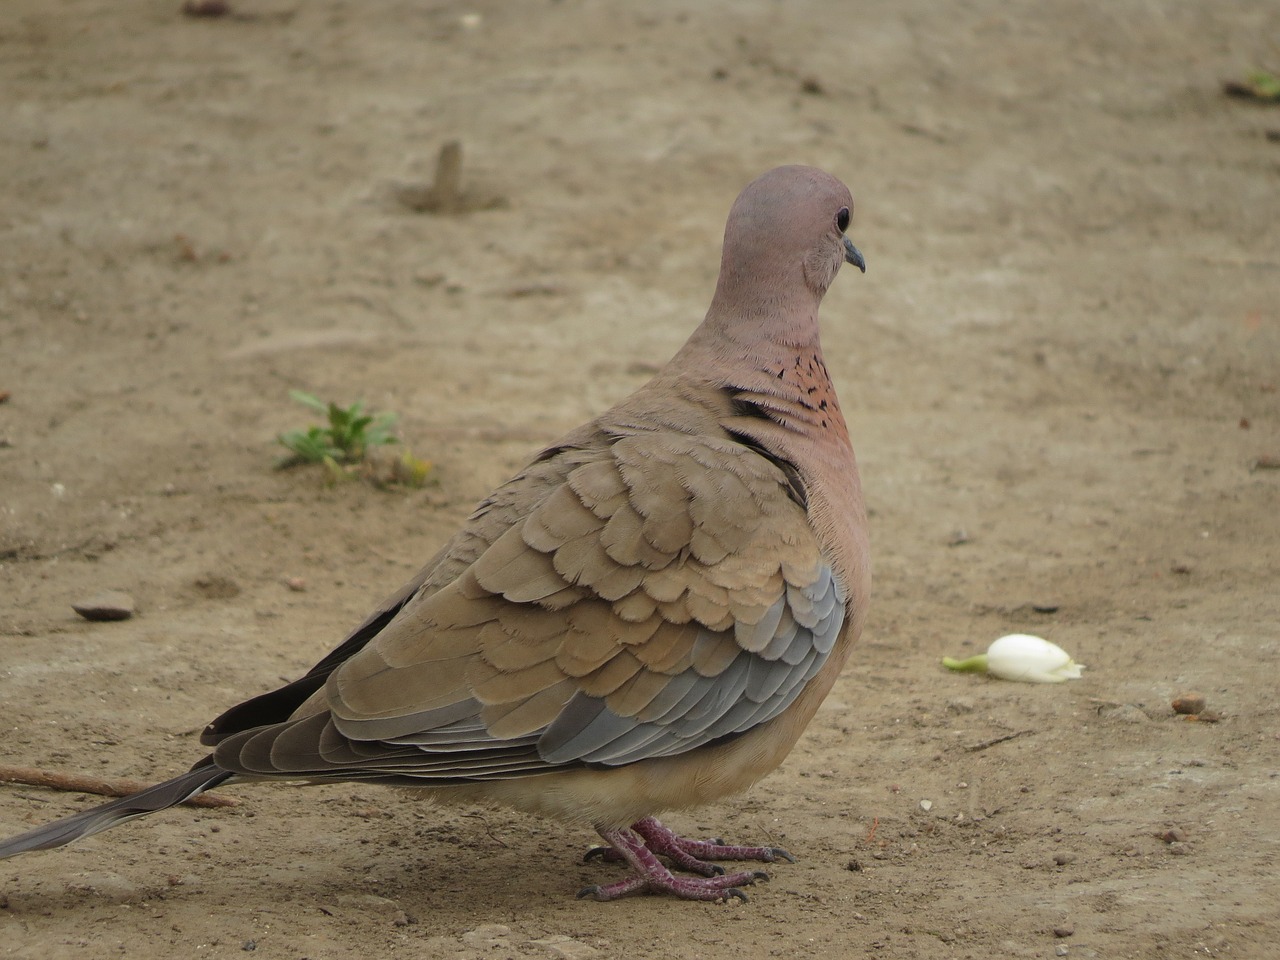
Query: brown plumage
[[645, 618]]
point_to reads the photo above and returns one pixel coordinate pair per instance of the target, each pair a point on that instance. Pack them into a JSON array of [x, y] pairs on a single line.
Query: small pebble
[[1173, 835], [1204, 716], [249, 945], [1189, 703], [854, 866], [1062, 859], [1179, 849], [108, 605], [1064, 931], [1265, 462], [1060, 950], [1123, 713], [926, 805], [296, 584]]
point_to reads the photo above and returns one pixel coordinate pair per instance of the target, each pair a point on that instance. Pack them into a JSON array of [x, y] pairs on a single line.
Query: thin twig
[[79, 783], [991, 743]]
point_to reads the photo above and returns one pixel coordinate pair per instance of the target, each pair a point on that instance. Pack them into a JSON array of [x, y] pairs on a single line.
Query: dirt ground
[[1060, 372]]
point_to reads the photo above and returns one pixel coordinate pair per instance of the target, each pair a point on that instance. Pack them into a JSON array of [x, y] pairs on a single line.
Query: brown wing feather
[[646, 573]]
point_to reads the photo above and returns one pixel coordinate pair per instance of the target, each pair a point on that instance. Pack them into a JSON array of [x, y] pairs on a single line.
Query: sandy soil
[[1059, 371]]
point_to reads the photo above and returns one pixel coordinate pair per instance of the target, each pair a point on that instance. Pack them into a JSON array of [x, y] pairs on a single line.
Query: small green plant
[[345, 446], [1266, 85]]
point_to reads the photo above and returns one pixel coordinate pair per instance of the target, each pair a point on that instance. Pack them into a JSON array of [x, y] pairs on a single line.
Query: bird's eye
[[842, 219]]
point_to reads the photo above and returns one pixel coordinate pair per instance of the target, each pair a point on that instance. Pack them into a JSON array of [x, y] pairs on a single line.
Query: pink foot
[[689, 854], [648, 837]]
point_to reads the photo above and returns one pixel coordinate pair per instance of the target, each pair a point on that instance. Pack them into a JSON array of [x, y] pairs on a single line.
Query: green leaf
[[1265, 84], [308, 400]]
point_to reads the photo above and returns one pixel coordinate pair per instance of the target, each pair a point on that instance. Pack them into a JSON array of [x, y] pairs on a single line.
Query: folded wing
[[666, 591]]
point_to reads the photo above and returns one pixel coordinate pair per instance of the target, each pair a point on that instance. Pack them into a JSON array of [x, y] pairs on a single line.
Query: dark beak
[[853, 255]]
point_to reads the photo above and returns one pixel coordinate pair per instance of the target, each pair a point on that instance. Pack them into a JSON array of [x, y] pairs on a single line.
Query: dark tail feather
[[160, 797]]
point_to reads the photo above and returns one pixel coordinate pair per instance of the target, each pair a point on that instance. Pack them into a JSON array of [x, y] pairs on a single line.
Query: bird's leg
[[652, 877], [691, 855]]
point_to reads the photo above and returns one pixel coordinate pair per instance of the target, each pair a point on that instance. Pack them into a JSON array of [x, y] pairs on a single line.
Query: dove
[[644, 619]]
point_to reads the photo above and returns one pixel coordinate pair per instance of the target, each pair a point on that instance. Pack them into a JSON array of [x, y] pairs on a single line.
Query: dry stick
[[871, 834], [78, 783], [991, 743]]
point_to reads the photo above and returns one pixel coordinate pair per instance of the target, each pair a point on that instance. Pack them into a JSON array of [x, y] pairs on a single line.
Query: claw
[[596, 853], [733, 892], [760, 875], [777, 852], [593, 892]]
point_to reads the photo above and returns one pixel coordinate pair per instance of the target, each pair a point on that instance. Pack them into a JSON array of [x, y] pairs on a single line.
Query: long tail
[[160, 797]]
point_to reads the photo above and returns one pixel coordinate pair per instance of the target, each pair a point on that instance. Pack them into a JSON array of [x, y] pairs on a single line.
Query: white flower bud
[[1020, 656]]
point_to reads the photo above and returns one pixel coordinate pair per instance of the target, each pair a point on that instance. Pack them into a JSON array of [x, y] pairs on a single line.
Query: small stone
[[1265, 462], [1204, 716], [1062, 859], [108, 605], [249, 945], [1123, 713], [1189, 703], [296, 584], [854, 866], [926, 805], [1179, 849], [1060, 950], [1173, 835], [1064, 931]]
